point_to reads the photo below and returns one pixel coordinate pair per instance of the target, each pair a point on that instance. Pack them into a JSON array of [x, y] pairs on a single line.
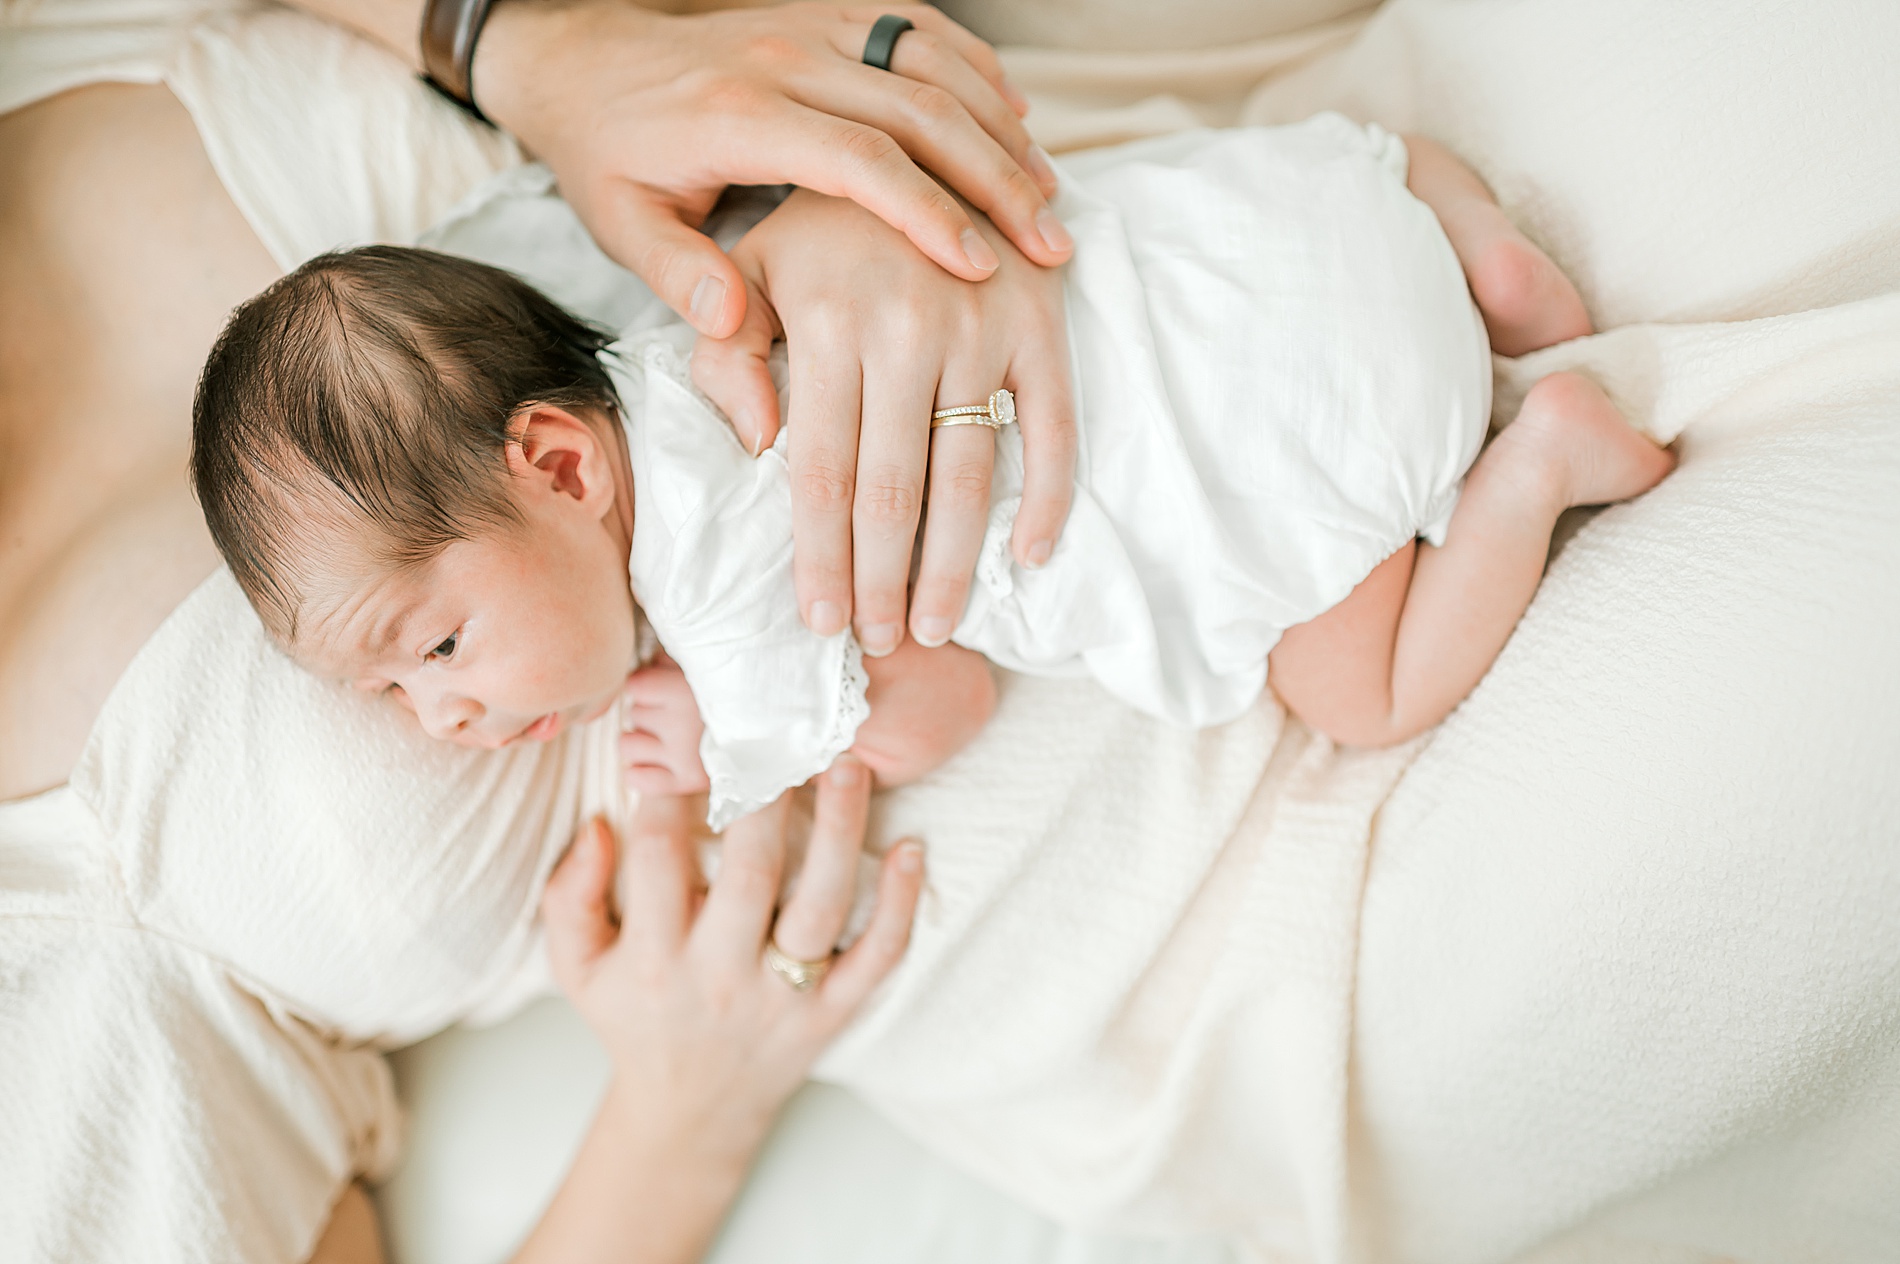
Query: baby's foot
[[1570, 431]]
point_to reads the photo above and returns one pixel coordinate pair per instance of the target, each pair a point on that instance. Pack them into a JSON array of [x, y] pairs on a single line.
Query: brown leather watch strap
[[449, 31]]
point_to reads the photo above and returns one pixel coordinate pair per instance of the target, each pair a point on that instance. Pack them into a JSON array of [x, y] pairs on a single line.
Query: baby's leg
[[1418, 634], [1526, 300]]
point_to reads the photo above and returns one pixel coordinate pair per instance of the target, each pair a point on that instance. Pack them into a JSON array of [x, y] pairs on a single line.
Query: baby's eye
[[446, 650]]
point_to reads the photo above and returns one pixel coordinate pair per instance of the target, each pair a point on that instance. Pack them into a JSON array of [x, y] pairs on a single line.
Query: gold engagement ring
[[1000, 411]]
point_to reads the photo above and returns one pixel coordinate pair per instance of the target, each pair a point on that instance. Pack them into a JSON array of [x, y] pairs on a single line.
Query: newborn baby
[[434, 482]]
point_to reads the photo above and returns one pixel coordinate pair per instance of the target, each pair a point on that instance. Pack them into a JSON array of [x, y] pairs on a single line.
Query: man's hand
[[646, 117], [874, 328]]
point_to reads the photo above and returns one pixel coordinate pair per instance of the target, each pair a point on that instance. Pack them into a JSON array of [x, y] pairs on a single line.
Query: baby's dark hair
[[375, 389]]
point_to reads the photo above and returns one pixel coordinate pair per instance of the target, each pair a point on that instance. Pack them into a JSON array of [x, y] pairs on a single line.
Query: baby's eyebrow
[[388, 630]]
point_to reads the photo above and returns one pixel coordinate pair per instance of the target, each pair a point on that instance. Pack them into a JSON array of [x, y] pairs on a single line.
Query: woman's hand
[[873, 327], [646, 117], [705, 1040]]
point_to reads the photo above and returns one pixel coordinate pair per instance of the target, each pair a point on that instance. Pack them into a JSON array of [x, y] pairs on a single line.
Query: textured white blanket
[[1624, 979]]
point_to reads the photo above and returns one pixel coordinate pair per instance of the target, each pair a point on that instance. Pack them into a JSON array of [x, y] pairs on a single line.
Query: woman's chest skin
[[120, 255]]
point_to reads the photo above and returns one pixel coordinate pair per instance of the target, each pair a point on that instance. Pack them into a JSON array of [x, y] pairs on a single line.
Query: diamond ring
[[1000, 411]]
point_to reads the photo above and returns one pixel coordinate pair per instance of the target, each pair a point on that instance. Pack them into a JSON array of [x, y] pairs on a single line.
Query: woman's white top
[[1280, 379]]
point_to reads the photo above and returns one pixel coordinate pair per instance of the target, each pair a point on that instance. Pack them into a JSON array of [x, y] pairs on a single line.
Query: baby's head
[[412, 465]]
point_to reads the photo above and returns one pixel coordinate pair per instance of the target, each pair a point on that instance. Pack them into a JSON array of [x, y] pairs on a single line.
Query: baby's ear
[[555, 448]]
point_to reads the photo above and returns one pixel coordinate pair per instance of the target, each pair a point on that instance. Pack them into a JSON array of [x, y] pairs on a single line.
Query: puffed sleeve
[[154, 1111], [712, 567]]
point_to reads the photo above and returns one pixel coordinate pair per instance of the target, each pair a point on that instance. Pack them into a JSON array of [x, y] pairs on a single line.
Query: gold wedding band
[[1000, 411], [802, 975]]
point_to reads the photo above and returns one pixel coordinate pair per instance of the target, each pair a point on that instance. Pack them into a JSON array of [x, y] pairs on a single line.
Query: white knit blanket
[[1607, 968]]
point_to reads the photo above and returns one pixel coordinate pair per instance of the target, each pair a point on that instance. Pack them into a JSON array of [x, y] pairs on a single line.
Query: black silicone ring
[[883, 40]]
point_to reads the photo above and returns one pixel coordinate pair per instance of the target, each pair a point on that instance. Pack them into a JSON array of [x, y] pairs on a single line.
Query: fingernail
[[932, 630], [1038, 555], [881, 638], [1054, 235], [978, 251], [826, 619], [910, 857], [1041, 169], [845, 773], [709, 303], [1018, 101]]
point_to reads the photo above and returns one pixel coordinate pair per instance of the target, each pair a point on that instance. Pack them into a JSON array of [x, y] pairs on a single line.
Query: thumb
[[735, 373], [577, 906], [679, 263]]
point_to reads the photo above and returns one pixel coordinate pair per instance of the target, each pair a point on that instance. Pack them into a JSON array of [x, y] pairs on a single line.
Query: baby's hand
[[660, 750]]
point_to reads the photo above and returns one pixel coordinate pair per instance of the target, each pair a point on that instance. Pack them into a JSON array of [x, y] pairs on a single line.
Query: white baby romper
[[1280, 379]]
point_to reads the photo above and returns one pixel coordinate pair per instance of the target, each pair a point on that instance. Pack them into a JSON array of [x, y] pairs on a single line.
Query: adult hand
[[675, 984], [704, 1040], [645, 117], [872, 327]]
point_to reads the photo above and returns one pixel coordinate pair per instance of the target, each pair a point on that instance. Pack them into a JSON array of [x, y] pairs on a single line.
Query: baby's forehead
[[350, 627]]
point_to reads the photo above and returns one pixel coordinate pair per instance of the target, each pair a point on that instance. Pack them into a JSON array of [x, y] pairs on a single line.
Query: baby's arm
[[926, 705]]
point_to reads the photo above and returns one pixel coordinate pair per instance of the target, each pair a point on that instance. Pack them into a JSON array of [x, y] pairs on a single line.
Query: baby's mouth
[[542, 729]]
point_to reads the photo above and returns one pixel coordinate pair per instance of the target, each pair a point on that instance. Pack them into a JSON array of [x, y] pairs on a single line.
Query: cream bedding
[[1623, 965], [1608, 959]]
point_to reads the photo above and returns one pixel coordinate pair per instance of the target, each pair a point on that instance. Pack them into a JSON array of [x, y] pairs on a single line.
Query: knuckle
[[748, 872], [824, 483], [1018, 185], [905, 325], [720, 93], [663, 258], [889, 499], [869, 148], [830, 321], [932, 106], [1057, 434], [780, 52]]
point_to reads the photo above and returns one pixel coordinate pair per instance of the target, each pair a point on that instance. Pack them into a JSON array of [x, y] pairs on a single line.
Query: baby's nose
[[447, 718]]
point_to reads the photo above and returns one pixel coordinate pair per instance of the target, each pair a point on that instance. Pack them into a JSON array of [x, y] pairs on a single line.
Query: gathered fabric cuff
[[747, 776]]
